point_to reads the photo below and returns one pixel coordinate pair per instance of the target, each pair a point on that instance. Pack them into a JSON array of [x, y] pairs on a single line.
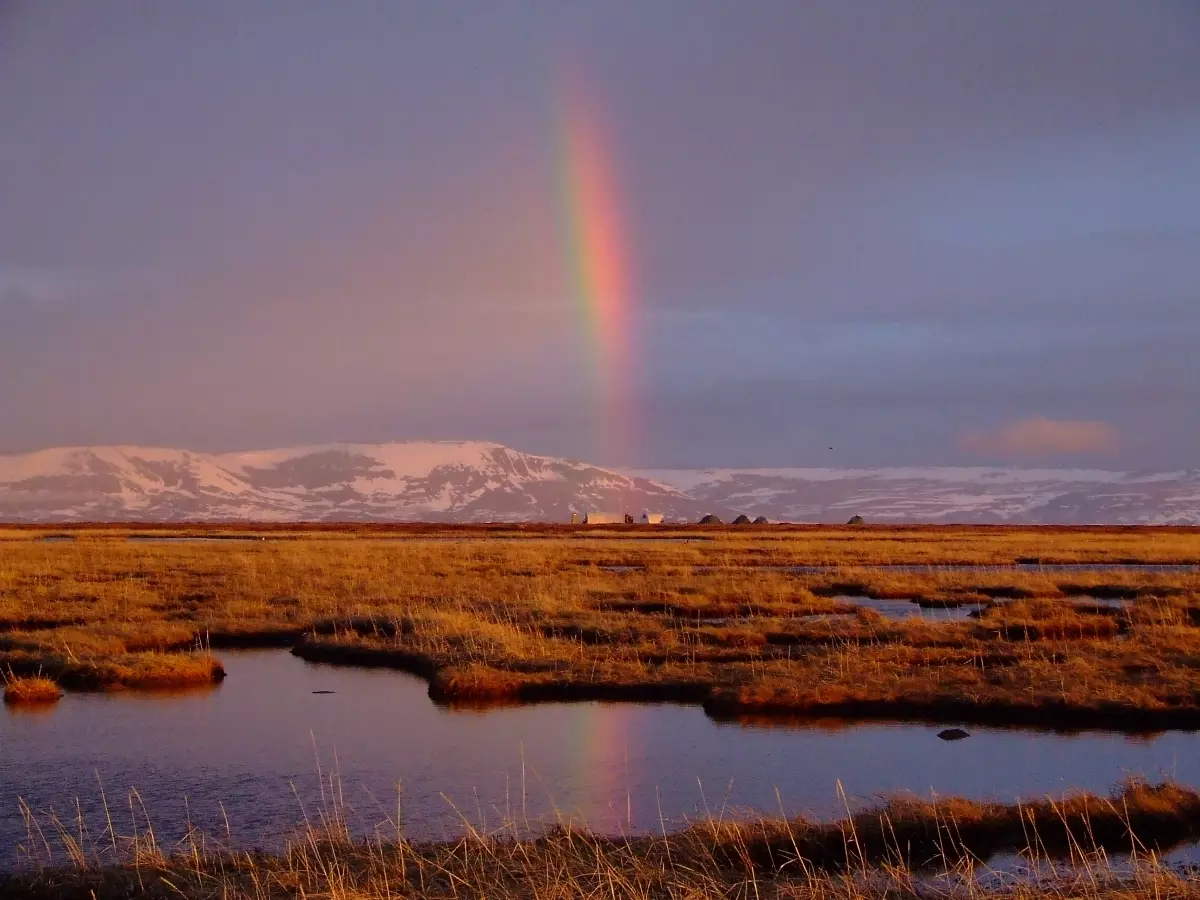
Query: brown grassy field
[[797, 544], [904, 848], [714, 616]]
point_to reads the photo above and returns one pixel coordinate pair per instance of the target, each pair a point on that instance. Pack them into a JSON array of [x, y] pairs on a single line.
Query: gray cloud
[[870, 225]]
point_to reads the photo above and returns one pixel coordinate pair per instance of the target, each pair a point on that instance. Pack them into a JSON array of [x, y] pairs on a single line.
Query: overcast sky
[[860, 232]]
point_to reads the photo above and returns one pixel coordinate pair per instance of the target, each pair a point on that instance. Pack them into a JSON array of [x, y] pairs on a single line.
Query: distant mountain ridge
[[472, 481], [425, 480], [949, 494]]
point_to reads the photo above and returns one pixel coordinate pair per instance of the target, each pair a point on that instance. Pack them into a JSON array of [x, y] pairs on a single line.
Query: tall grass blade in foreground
[[1074, 846]]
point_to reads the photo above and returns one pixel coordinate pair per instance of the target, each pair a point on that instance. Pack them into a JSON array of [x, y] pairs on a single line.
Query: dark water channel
[[249, 750], [198, 538], [933, 568], [908, 609]]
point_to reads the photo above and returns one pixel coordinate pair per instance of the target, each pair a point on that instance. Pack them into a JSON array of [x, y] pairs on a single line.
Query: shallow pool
[[249, 752]]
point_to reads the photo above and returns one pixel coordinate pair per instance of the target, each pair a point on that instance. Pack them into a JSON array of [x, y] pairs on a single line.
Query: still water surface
[[249, 749]]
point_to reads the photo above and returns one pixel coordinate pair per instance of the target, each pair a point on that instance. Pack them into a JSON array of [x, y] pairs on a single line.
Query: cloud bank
[[1038, 437], [857, 231]]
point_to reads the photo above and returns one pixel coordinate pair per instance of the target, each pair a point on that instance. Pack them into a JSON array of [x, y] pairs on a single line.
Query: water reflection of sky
[[253, 746]]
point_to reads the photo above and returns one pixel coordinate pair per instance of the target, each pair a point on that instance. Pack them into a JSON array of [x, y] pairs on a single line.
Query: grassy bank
[[525, 614], [897, 849]]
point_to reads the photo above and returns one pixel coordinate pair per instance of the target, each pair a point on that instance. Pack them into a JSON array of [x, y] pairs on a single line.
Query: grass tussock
[[31, 689], [739, 620], [905, 848], [128, 671]]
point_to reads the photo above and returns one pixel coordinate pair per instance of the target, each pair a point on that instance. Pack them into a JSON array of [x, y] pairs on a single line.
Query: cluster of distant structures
[[653, 518], [711, 519], [610, 518], [656, 518]]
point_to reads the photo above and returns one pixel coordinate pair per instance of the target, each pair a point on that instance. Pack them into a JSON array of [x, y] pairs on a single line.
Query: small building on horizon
[[594, 517], [652, 518]]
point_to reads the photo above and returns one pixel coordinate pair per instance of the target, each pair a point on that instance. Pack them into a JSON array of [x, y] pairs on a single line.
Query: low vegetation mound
[[31, 689]]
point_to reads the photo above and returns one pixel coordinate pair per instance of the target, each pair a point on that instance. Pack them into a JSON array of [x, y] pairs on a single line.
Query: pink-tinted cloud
[[1038, 436]]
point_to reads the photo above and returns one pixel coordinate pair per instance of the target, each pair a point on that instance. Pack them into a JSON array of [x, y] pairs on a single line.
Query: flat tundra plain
[[769, 622], [1065, 628]]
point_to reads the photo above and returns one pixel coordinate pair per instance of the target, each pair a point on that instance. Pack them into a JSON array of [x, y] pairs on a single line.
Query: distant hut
[[652, 518], [628, 519], [762, 520], [603, 518], [711, 519], [574, 518], [857, 520], [743, 519]]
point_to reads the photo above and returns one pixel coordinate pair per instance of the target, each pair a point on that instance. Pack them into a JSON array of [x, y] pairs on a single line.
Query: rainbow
[[599, 265], [601, 737]]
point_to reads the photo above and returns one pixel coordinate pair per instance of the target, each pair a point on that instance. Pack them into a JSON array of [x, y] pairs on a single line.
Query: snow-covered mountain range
[[481, 482]]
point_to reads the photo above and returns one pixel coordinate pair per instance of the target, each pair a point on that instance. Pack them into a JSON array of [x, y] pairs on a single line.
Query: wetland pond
[[247, 753]]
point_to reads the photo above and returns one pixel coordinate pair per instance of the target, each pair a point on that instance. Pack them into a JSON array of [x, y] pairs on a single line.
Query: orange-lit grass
[[31, 689], [886, 852], [541, 616], [139, 671]]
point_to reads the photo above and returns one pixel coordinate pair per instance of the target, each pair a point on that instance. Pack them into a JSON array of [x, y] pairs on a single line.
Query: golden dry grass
[[719, 616], [31, 689], [905, 848]]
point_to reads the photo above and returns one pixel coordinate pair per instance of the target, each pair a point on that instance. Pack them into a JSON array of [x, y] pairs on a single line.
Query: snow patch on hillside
[[485, 481]]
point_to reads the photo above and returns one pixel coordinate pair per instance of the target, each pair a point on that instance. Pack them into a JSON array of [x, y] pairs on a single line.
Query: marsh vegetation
[[30, 689], [738, 621], [1059, 628], [902, 848]]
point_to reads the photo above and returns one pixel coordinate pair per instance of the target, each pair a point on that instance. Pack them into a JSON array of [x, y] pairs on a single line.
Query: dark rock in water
[[953, 734], [857, 520], [742, 520], [711, 519], [324, 692], [762, 520]]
